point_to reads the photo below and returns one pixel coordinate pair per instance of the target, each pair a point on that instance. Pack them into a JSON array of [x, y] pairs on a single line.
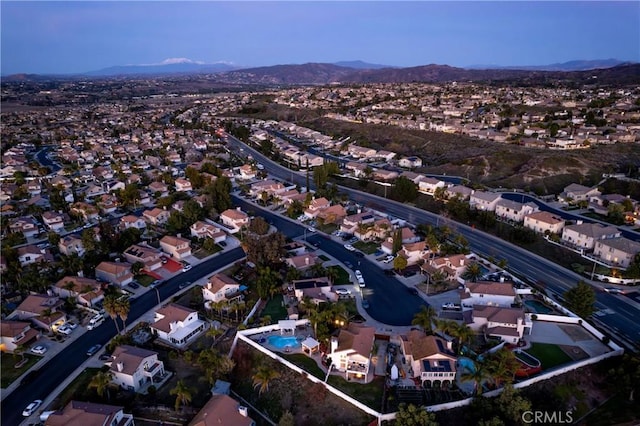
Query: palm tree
[[20, 350], [332, 274], [462, 333], [424, 318], [478, 375], [110, 305], [213, 332], [123, 306], [47, 313], [182, 393], [240, 306], [101, 382], [473, 272], [263, 376], [502, 367]]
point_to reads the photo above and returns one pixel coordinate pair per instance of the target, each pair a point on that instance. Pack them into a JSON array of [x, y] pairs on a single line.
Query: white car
[[361, 283], [31, 408], [388, 259], [186, 267], [65, 329], [39, 349], [311, 229], [342, 292], [349, 247], [71, 325], [358, 274]]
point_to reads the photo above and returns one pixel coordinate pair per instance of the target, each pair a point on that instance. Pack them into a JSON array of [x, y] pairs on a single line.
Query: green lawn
[[202, 253], [9, 373], [307, 364], [275, 309], [328, 228], [369, 394], [550, 355], [343, 276], [145, 280], [367, 247]]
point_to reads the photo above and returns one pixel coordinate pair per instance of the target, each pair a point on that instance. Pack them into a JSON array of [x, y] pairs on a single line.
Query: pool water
[[537, 307], [282, 342], [467, 363]]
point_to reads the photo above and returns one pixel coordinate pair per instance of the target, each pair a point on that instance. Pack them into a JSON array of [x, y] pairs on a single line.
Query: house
[[451, 267], [130, 221], [544, 222], [220, 287], [53, 220], [26, 225], [71, 244], [351, 223], [117, 273], [88, 212], [430, 359], [429, 185], [202, 229], [318, 290], [28, 255], [177, 247], [379, 229], [107, 203], [246, 172], [303, 261], [176, 325], [460, 191], [361, 152], [576, 193], [508, 324], [385, 155], [16, 333], [482, 200], [414, 252], [513, 210], [618, 252], [350, 352], [234, 219], [183, 185], [41, 309], [269, 186], [222, 410], [488, 293], [410, 162], [384, 175], [358, 169], [150, 257], [332, 214], [86, 291], [156, 216], [316, 205], [135, 369], [158, 189], [585, 235], [77, 413]]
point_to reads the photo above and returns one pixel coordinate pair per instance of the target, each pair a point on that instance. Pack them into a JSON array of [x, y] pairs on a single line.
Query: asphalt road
[[389, 300], [62, 365], [42, 157], [618, 314]]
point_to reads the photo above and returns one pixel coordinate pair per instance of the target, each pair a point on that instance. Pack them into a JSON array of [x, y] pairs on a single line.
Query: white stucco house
[[176, 325]]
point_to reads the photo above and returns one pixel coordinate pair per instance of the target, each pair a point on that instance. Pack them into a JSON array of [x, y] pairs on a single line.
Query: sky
[[47, 37]]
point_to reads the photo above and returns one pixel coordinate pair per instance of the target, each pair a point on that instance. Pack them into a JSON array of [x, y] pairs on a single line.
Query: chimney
[[334, 344], [449, 345], [306, 260], [501, 278], [120, 366], [244, 411], [238, 208], [81, 273], [179, 235]]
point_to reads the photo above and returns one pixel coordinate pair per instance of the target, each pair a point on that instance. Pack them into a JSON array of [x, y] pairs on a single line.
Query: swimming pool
[[467, 363], [282, 342], [537, 307]]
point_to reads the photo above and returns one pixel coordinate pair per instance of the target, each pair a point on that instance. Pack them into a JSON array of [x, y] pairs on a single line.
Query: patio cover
[[311, 344], [287, 325]]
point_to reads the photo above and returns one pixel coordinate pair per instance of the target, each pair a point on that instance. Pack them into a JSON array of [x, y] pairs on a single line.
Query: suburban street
[[56, 370], [616, 312]]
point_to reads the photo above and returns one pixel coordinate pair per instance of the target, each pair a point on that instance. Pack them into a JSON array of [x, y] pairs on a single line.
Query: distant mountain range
[[359, 72]]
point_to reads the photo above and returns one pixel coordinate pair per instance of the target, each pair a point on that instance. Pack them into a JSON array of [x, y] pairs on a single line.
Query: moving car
[[93, 349], [32, 407], [39, 349], [614, 290], [186, 267], [349, 247]]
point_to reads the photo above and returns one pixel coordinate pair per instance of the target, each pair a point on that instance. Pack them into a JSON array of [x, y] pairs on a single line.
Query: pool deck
[[549, 332]]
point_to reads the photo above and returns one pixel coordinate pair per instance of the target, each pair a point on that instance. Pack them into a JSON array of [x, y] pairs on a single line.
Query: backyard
[[342, 277], [275, 309], [550, 355], [7, 367], [367, 247]]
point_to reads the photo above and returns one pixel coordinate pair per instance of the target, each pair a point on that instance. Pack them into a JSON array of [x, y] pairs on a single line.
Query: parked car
[[353, 240], [349, 247], [32, 407], [361, 282], [348, 265], [72, 325], [389, 272], [164, 260], [359, 254], [311, 229], [388, 259], [93, 349], [222, 244], [39, 349], [343, 292], [65, 329]]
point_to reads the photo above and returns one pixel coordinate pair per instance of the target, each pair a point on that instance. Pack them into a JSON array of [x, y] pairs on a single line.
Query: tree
[[89, 240], [412, 415], [477, 375], [183, 394], [110, 305], [502, 366], [512, 405], [626, 375], [287, 419], [397, 241], [137, 267], [101, 382], [399, 263], [424, 318], [266, 282], [263, 377], [123, 308], [259, 226], [53, 238], [404, 190], [581, 299], [473, 272], [19, 351]]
